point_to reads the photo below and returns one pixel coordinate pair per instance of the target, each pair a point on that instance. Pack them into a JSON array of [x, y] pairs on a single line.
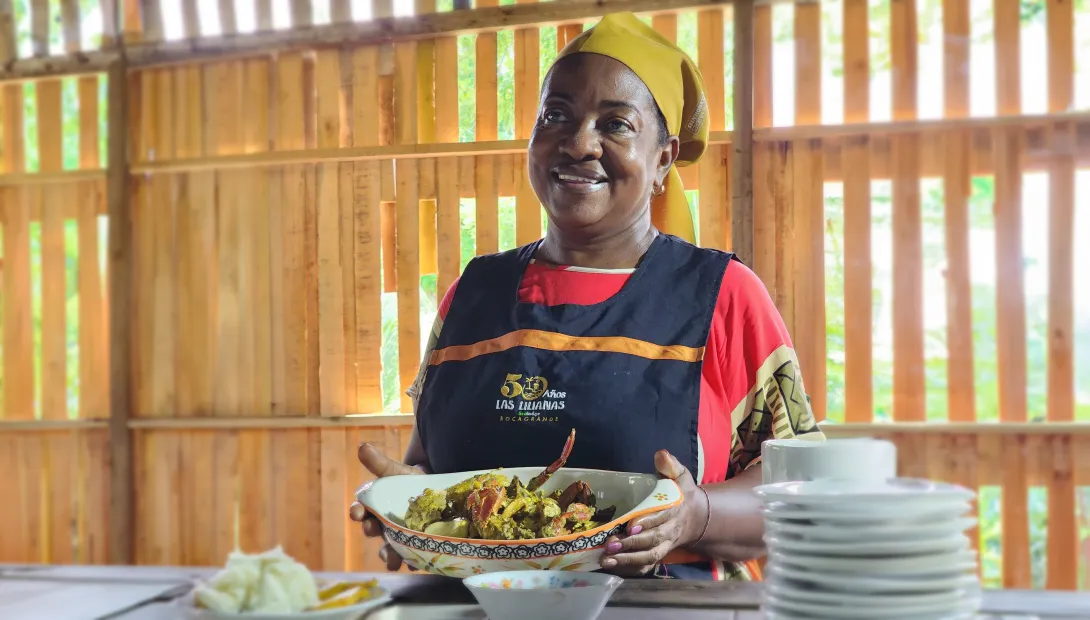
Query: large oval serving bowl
[[634, 495]]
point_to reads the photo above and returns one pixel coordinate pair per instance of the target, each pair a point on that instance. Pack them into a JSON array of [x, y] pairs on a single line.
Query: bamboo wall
[[275, 184]]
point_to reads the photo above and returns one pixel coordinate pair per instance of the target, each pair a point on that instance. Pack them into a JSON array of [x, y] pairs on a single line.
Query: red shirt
[[748, 356]]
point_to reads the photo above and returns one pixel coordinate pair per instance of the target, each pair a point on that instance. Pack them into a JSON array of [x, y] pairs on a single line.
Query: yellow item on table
[[345, 594]]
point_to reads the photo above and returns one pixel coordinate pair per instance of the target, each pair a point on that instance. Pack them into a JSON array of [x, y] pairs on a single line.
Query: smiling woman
[[665, 357]]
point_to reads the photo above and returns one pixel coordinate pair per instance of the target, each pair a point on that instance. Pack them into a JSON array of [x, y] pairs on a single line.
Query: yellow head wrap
[[678, 89]]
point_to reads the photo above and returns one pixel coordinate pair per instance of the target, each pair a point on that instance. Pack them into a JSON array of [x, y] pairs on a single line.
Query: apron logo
[[527, 398]]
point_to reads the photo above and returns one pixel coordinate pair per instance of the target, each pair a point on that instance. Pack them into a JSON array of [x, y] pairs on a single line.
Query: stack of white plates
[[894, 549]]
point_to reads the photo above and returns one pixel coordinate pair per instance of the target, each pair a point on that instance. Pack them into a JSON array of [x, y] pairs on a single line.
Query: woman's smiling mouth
[[579, 183]]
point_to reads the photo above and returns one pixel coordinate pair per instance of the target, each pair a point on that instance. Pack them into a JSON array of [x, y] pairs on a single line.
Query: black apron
[[508, 381]]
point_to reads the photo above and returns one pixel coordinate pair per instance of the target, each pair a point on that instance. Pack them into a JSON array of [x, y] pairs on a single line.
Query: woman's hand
[[649, 539], [381, 466]]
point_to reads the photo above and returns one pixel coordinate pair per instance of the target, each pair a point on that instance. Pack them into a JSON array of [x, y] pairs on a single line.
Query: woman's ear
[[667, 156]]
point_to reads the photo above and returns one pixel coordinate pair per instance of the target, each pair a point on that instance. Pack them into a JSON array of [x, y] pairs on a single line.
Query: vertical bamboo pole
[[408, 221], [527, 93], [70, 25], [666, 25], [331, 312], [39, 27], [447, 221], [961, 397], [809, 207], [713, 217], [956, 183], [120, 294], [54, 385], [152, 20], [909, 402], [487, 192], [1007, 149], [92, 335], [858, 343], [191, 20], [742, 232], [1063, 530], [763, 213], [426, 111], [368, 238]]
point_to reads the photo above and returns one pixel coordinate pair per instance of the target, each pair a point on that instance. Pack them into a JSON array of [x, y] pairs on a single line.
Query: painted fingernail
[[613, 547], [636, 529], [609, 563]]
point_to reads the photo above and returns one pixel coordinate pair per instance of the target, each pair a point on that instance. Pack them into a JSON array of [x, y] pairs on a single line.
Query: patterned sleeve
[[776, 405]]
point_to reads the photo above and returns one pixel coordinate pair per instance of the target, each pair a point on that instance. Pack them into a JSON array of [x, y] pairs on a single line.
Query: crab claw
[[483, 503], [578, 492], [541, 478]]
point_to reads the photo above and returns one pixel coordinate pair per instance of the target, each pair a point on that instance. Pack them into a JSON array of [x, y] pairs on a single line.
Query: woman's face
[[596, 149]]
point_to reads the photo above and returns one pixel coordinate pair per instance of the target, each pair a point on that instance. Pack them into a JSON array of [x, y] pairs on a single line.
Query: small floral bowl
[[542, 595], [634, 495]]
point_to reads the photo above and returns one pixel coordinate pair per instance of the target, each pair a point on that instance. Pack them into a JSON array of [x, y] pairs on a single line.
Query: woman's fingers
[[655, 520], [381, 465], [668, 466], [640, 560], [392, 559], [372, 528], [647, 539], [357, 512]]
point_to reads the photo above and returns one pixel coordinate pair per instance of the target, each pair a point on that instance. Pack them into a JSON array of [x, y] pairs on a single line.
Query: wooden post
[[120, 292], [742, 139]]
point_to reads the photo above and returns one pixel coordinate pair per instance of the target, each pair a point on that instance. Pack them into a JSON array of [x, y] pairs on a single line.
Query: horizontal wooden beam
[[831, 430], [507, 147], [215, 423], [856, 130], [832, 134], [43, 178], [23, 426], [877, 429], [426, 26], [332, 155], [275, 422]]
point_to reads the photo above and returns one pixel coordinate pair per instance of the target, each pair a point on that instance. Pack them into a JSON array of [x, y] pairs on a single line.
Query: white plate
[[878, 548], [924, 565], [352, 612], [830, 610], [852, 492], [769, 613], [866, 531], [870, 584], [795, 592], [853, 514]]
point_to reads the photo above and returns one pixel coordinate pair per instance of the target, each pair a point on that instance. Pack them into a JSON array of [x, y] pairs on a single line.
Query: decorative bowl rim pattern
[[535, 549], [649, 505]]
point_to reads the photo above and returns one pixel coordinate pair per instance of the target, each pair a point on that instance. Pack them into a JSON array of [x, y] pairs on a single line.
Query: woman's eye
[[552, 116], [617, 125]]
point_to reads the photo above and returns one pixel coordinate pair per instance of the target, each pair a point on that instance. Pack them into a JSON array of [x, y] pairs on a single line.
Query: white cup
[[862, 458]]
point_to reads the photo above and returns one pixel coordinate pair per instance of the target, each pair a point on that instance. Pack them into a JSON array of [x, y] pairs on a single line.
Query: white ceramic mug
[[862, 458]]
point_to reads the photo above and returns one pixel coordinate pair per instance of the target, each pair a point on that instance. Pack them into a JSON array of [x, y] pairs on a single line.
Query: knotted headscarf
[[678, 89]]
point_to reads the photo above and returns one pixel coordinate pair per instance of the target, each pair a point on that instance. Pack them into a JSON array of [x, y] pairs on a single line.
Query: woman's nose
[[582, 143]]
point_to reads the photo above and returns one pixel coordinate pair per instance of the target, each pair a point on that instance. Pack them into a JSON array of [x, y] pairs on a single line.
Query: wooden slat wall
[[59, 487], [258, 290]]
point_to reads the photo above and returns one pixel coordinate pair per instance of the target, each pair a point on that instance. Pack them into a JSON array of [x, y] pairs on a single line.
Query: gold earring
[[658, 190]]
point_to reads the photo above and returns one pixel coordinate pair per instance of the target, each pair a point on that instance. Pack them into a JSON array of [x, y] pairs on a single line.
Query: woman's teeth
[[574, 179]]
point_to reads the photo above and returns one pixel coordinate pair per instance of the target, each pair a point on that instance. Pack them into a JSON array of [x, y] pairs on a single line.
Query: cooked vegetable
[[274, 583], [489, 506]]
